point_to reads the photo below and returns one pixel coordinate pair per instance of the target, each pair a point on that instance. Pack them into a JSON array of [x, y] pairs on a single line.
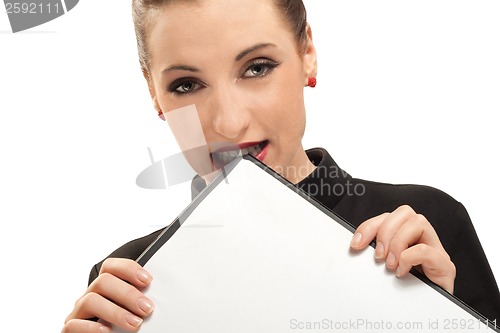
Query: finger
[[84, 326], [94, 305], [415, 230], [122, 293], [127, 270], [435, 264], [366, 232], [388, 229]]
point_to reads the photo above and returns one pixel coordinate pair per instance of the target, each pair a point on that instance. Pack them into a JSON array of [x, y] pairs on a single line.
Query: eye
[[184, 86], [259, 68]]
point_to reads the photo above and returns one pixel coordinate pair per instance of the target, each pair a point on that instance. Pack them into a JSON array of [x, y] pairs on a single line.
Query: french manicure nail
[[356, 239], [146, 305], [391, 260], [133, 320], [379, 251], [144, 276]]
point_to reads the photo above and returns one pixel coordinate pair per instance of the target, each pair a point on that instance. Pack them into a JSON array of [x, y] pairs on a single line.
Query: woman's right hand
[[114, 297]]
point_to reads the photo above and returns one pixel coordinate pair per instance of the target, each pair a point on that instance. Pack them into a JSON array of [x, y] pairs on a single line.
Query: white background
[[407, 93]]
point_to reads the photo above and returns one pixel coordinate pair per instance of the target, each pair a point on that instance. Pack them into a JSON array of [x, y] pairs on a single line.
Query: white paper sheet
[[252, 255]]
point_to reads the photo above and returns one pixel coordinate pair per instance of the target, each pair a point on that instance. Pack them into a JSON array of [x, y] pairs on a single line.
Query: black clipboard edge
[[169, 230]]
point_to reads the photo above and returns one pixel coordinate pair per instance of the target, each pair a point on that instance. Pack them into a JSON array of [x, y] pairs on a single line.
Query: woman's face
[[239, 64]]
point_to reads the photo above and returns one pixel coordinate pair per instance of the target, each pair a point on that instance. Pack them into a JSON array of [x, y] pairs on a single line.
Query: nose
[[230, 117]]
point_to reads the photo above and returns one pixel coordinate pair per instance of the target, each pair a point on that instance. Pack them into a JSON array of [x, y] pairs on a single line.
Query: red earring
[[311, 82], [161, 115]]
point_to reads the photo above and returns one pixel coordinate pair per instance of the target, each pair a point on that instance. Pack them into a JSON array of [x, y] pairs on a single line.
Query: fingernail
[[133, 320], [379, 250], [104, 329], [391, 260], [144, 276], [356, 239], [398, 272], [146, 305]]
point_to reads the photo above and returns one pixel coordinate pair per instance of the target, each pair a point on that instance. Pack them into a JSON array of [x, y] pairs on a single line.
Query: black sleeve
[[474, 283], [94, 272], [131, 250]]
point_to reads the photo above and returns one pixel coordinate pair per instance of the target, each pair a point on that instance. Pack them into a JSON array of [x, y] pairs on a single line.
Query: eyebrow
[[251, 49], [180, 67]]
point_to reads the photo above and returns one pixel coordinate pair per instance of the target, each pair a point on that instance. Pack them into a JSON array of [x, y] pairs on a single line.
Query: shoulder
[[420, 195], [373, 198], [130, 250]]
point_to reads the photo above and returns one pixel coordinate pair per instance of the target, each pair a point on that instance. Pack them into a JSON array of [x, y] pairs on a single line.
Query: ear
[[310, 58], [151, 88]]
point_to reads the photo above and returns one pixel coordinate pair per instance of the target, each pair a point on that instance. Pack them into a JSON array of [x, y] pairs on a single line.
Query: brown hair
[[142, 12]]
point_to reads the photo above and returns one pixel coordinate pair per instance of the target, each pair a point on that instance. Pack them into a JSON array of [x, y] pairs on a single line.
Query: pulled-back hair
[[143, 12]]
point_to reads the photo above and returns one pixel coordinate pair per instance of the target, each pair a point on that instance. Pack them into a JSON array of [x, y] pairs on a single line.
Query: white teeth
[[253, 150], [227, 156]]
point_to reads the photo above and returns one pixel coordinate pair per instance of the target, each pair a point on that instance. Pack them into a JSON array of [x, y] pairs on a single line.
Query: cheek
[[285, 106]]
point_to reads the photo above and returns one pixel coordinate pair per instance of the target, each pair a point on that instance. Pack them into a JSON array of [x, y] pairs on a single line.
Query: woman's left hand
[[406, 239]]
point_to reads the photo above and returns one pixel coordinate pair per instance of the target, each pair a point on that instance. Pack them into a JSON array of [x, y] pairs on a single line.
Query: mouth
[[223, 156]]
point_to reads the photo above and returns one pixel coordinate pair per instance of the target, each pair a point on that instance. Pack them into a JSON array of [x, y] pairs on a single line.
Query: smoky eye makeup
[[184, 85], [259, 67]]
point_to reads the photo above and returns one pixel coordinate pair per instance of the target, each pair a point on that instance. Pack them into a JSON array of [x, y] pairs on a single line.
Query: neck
[[299, 168]]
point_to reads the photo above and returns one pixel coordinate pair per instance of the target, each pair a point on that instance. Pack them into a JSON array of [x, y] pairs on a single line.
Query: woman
[[245, 73]]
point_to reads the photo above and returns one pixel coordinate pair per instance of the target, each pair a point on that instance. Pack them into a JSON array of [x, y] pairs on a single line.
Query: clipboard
[[254, 253]]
